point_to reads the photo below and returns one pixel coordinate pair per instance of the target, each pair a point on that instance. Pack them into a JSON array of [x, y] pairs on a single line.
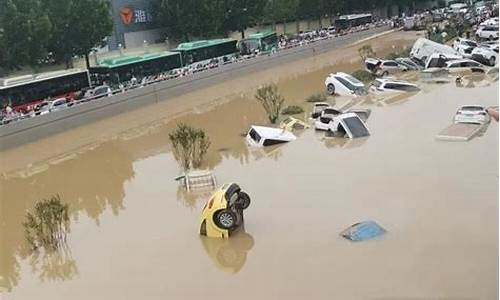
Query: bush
[[318, 97], [292, 110], [48, 224], [189, 146], [271, 100], [366, 51], [363, 76]]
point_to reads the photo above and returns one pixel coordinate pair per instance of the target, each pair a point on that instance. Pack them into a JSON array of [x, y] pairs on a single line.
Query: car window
[[352, 79], [468, 43], [356, 127], [472, 108], [254, 135], [406, 87], [454, 65], [390, 64], [346, 83], [270, 142]]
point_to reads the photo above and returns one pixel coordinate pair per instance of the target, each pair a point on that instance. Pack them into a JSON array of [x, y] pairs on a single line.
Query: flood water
[[134, 232]]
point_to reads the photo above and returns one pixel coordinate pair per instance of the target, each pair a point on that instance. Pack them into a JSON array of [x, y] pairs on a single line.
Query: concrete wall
[[18, 133]]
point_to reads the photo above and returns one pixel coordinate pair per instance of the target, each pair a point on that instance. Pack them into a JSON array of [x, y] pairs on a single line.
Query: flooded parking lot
[[134, 233]]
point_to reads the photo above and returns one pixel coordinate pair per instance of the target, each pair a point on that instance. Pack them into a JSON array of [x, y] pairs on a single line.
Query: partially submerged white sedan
[[260, 136], [472, 114], [344, 84], [344, 125]]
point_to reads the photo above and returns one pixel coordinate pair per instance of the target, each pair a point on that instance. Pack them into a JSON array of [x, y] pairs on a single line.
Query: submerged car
[[267, 136], [382, 67], [387, 85], [344, 84], [485, 55], [347, 125], [409, 63], [464, 66], [464, 46], [292, 123], [472, 114], [223, 212]]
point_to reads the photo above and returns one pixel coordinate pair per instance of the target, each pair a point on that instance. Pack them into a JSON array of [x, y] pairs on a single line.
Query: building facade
[[132, 24]]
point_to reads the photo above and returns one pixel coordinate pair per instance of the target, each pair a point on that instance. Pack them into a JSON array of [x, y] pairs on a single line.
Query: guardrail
[[17, 133]]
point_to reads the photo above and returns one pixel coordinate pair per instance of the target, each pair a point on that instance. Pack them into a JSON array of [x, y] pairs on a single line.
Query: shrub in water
[[271, 100], [292, 110], [318, 97], [189, 146]]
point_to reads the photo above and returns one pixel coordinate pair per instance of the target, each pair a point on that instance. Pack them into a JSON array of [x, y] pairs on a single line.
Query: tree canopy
[[34, 31]]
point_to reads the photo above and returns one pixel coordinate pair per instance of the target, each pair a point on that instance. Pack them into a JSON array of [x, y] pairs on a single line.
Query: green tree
[[78, 27], [271, 101], [25, 30]]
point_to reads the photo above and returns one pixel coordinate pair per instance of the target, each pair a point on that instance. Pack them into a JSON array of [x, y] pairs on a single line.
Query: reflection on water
[[90, 185], [229, 255], [54, 265]]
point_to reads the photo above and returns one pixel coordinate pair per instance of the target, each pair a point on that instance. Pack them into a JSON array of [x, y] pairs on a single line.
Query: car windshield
[[468, 43], [356, 127], [254, 135], [352, 79], [472, 108]]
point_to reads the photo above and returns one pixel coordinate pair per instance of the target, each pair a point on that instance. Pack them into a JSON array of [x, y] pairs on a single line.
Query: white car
[[388, 85], [464, 46], [382, 67], [344, 125], [47, 106], [488, 32], [485, 55], [99, 91], [472, 114], [344, 84], [259, 136], [464, 65]]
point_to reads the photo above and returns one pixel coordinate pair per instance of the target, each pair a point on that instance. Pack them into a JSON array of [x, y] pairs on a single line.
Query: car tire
[[225, 219], [385, 74], [243, 201], [491, 38], [330, 89], [492, 61]]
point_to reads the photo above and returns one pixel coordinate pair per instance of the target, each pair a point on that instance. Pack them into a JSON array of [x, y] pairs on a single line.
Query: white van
[[260, 136], [424, 48]]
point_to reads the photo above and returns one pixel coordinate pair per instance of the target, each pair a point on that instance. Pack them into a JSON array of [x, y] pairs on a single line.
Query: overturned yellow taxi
[[223, 212]]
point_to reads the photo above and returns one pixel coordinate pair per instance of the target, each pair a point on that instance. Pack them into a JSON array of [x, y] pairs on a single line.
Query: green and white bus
[[192, 52], [262, 41], [120, 69]]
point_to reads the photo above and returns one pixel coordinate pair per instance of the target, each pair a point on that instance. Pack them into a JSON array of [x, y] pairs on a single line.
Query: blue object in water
[[363, 231]]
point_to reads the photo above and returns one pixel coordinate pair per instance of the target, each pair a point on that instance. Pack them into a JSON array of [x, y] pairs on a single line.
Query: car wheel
[[386, 73], [330, 89], [225, 219], [491, 38], [243, 201], [492, 61]]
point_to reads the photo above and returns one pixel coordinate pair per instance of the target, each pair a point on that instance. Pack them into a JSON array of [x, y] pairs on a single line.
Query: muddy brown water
[[134, 233]]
